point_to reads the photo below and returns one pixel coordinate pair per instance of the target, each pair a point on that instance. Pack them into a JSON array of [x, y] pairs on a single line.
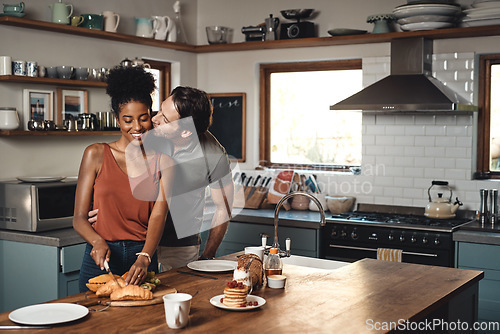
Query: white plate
[[486, 4], [482, 12], [215, 301], [427, 18], [425, 9], [48, 314], [476, 23], [37, 179], [426, 26], [212, 265]]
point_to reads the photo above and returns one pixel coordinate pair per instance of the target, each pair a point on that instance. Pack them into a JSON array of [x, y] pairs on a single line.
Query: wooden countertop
[[314, 300]]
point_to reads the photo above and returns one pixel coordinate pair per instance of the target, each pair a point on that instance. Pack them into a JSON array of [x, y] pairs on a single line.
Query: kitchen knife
[[242, 178], [235, 177], [266, 185], [248, 182], [254, 187], [106, 266]]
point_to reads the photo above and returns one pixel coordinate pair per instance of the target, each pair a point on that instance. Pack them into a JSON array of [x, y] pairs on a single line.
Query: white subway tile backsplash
[[455, 152], [444, 162], [417, 130], [455, 174], [435, 130], [412, 172], [384, 140], [436, 152], [424, 162], [425, 141], [394, 130], [446, 120], [414, 151], [434, 173], [375, 130], [458, 131], [405, 140], [465, 142], [425, 119]]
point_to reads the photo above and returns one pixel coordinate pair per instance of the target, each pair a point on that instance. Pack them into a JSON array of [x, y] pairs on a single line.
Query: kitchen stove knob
[[391, 237], [402, 238], [334, 234], [425, 241], [413, 239], [354, 235], [343, 234], [437, 241]]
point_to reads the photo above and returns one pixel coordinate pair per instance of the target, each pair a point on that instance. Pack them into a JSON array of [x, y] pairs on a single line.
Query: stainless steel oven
[[355, 235], [36, 207]]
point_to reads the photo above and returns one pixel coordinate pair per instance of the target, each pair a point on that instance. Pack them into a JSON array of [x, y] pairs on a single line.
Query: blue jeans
[[121, 259]]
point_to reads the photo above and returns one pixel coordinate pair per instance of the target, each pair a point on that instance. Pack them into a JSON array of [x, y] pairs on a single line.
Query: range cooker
[[358, 234]]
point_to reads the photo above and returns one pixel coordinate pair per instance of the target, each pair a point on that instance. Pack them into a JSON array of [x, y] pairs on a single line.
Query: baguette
[[96, 282], [131, 292], [108, 288]]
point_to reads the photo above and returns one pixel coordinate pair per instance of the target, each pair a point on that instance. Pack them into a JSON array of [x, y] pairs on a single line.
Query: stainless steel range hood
[[410, 87]]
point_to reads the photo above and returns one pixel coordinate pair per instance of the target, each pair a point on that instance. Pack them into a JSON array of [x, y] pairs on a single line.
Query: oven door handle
[[374, 250]]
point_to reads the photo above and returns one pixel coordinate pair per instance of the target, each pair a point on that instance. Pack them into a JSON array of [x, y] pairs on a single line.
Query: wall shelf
[[257, 45], [4, 133], [53, 81]]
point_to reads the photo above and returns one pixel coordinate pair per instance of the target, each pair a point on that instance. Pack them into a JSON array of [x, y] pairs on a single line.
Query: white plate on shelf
[[39, 179], [48, 314], [425, 9], [215, 301], [482, 12], [426, 18], [426, 26], [480, 22], [486, 4], [212, 265]]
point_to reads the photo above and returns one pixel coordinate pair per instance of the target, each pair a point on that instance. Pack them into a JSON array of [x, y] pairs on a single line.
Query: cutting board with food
[[113, 291]]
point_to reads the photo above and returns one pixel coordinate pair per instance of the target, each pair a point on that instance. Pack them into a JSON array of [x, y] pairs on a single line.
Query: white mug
[[111, 21], [5, 65], [177, 306], [19, 67], [259, 251]]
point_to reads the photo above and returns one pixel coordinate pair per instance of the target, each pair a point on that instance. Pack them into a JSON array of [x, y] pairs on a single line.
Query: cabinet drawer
[[478, 256], [71, 258]]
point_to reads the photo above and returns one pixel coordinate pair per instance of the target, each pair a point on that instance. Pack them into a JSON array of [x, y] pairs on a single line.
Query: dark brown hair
[[195, 103]]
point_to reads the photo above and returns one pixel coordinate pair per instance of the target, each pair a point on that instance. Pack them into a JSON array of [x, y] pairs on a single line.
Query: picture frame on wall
[[37, 105], [71, 102]]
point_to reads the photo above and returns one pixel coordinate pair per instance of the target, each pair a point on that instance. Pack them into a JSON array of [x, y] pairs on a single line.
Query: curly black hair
[[127, 84]]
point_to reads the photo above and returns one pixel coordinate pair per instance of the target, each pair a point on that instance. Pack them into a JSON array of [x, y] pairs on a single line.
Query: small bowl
[[51, 72], [218, 34], [64, 72], [276, 281], [340, 204]]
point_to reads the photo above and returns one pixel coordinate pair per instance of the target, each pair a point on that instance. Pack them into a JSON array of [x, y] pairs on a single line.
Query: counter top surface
[[314, 300], [472, 232]]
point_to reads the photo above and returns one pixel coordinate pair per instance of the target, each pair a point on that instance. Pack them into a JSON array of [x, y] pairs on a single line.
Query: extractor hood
[[410, 86]]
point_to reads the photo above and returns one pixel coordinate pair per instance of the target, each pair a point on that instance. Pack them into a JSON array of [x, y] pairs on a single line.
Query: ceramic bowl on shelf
[[218, 34], [64, 72]]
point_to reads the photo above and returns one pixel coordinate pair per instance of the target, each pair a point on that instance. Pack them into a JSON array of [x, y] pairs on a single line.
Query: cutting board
[[157, 298]]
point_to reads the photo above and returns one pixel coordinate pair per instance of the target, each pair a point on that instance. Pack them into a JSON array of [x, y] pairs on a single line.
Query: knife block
[[242, 200]]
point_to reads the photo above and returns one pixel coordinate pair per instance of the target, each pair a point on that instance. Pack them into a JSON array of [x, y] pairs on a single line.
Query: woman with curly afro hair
[[128, 229]]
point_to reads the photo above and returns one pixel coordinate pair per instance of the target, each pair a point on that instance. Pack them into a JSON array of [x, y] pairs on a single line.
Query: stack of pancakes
[[235, 294]]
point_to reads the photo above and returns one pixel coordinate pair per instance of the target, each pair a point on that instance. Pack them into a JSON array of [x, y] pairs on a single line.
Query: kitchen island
[[368, 296]]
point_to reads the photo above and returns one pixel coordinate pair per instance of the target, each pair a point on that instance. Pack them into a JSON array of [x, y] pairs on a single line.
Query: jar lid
[[273, 251]]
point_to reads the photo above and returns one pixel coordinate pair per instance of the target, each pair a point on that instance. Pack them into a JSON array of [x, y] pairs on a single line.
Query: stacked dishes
[[482, 13], [426, 15]]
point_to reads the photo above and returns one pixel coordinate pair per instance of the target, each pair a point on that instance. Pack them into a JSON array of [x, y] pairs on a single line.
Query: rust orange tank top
[[121, 215]]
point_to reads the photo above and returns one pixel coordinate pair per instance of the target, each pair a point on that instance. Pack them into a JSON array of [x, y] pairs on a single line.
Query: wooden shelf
[[58, 133], [258, 45], [54, 81]]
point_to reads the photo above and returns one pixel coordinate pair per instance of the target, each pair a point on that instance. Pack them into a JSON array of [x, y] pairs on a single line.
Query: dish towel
[[389, 254]]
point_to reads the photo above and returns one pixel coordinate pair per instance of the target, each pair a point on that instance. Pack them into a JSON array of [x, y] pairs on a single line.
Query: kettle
[[138, 62], [441, 207], [271, 28], [61, 12]]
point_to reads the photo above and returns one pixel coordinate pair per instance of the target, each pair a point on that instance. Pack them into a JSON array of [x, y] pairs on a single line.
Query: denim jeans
[[121, 259]]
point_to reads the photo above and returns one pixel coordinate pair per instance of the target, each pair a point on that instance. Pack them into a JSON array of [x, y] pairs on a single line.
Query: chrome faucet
[[276, 213]]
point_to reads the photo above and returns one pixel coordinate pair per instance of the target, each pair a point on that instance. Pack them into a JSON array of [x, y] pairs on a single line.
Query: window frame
[[265, 72], [483, 170], [165, 69]]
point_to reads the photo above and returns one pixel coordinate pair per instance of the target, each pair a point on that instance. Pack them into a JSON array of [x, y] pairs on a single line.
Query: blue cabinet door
[[304, 241]]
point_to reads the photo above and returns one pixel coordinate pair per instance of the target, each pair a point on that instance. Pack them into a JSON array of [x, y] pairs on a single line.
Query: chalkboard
[[228, 124]]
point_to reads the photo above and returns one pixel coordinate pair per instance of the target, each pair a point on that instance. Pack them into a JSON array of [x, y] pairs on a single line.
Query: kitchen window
[[161, 72], [489, 117], [298, 129]]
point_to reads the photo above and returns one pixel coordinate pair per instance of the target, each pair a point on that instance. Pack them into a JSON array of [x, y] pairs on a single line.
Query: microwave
[[35, 207]]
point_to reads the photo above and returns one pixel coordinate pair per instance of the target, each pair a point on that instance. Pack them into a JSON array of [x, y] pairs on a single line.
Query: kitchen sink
[[313, 262]]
